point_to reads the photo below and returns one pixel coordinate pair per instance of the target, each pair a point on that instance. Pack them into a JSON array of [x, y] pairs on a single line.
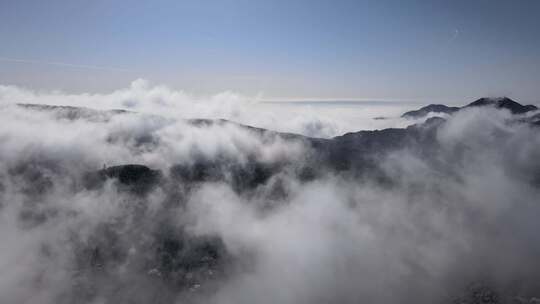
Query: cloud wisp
[[64, 64]]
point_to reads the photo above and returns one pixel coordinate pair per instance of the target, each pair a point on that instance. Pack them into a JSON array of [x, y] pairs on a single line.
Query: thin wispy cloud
[[64, 64]]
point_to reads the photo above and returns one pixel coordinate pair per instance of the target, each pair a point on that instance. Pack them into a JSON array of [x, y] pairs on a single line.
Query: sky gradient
[[447, 51]]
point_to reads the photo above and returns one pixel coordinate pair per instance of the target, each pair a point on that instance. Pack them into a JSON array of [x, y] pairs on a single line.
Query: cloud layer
[[142, 96], [233, 219]]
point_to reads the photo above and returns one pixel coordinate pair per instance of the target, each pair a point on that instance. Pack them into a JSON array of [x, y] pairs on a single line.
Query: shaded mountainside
[[356, 154]]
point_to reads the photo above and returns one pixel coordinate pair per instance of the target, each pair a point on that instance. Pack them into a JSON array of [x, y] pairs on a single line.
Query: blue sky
[[304, 49]]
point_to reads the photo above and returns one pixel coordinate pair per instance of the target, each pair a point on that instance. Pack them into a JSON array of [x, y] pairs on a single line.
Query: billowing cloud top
[[141, 96]]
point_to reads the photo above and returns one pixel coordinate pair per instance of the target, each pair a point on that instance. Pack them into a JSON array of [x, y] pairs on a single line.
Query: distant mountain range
[[357, 153], [497, 102]]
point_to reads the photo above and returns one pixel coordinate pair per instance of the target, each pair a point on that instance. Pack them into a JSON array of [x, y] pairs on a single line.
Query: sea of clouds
[[315, 119], [467, 216]]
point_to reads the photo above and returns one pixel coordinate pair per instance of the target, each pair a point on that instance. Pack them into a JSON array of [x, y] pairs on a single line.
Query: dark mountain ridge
[[432, 108], [496, 102], [74, 113], [502, 103]]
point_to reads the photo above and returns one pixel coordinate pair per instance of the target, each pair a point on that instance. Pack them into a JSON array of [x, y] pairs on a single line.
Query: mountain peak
[[502, 103], [497, 102]]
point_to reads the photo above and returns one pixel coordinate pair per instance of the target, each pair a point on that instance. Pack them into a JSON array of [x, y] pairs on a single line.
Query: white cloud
[[466, 214]]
